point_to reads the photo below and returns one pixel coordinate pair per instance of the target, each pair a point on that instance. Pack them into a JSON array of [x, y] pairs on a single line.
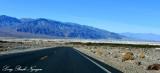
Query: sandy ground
[[113, 57], [15, 47]]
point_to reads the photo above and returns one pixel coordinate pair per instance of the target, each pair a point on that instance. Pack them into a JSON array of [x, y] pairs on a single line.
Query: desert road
[[53, 60]]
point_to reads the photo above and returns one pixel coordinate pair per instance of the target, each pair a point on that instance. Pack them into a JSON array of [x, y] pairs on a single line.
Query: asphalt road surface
[[53, 60]]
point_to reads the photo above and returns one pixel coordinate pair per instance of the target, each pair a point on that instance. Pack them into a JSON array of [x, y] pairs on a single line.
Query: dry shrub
[[100, 51], [130, 53], [1, 46], [137, 63], [127, 56], [93, 51], [154, 67], [141, 56], [3, 49]]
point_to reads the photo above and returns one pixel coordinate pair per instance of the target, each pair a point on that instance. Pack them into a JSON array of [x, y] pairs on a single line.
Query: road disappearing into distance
[[53, 60]]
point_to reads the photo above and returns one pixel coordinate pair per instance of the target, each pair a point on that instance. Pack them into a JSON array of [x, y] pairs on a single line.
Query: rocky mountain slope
[[46, 27]]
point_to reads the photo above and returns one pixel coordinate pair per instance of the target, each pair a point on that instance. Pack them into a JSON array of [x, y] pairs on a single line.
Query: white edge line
[[95, 63]]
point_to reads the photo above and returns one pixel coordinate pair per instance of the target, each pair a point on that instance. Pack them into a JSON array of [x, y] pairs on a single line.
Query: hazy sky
[[140, 16]]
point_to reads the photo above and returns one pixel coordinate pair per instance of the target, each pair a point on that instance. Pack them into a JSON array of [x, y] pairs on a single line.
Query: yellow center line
[[44, 57]]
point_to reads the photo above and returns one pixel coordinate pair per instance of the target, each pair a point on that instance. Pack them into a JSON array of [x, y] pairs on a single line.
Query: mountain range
[[142, 36], [47, 28]]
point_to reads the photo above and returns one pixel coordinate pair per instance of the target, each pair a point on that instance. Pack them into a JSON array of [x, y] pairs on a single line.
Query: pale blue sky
[[138, 16]]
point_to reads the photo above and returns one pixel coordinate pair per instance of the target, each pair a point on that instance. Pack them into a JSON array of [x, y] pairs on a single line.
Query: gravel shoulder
[[113, 58]]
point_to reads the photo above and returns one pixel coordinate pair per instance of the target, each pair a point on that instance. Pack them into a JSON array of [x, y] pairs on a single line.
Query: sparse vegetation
[[22, 44], [111, 53], [129, 53], [154, 67], [1, 41], [141, 56], [137, 63], [127, 56], [1, 46], [100, 51], [116, 45], [3, 49]]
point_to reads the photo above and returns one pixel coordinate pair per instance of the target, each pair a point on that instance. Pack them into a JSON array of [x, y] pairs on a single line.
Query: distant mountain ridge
[[143, 36], [51, 28], [6, 21]]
